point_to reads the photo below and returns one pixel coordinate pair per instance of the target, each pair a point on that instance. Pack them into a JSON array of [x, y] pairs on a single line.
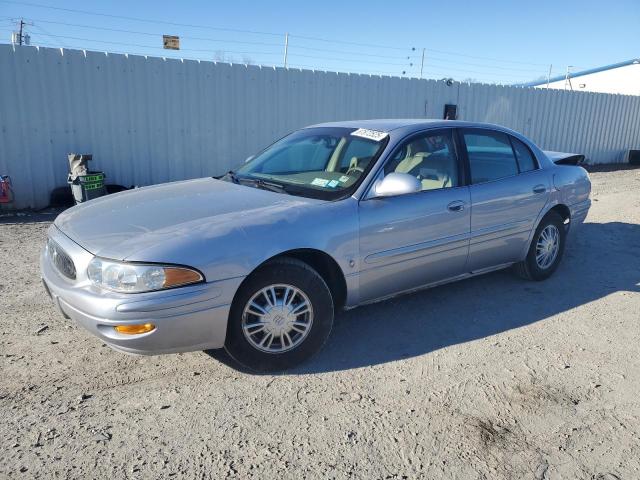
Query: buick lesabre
[[330, 217]]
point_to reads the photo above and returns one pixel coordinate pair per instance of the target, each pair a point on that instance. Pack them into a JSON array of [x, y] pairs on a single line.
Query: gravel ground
[[489, 378]]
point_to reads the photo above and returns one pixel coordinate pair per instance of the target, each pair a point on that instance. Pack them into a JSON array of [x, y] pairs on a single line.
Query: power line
[[111, 42], [154, 34], [406, 65], [370, 45], [333, 59], [440, 71], [481, 58], [189, 37], [430, 57], [404, 73], [356, 54], [138, 19], [317, 39], [47, 33], [428, 68], [69, 37]]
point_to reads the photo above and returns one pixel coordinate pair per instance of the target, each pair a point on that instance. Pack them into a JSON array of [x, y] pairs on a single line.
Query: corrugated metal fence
[[151, 120]]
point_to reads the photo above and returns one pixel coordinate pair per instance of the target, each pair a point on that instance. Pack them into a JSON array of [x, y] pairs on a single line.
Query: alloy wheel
[[277, 318]]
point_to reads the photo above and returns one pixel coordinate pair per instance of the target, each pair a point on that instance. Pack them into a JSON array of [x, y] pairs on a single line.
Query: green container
[[88, 187]]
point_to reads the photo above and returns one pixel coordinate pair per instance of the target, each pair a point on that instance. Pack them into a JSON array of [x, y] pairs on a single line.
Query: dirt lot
[[493, 377]]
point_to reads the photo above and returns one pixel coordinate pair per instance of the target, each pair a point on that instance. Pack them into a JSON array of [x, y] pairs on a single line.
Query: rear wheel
[[281, 316], [546, 249]]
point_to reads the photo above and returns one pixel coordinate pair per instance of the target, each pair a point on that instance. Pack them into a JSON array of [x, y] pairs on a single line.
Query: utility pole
[[422, 63], [20, 36], [286, 48], [549, 75]]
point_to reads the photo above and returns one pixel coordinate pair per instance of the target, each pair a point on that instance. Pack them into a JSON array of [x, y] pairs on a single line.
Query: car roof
[[407, 124]]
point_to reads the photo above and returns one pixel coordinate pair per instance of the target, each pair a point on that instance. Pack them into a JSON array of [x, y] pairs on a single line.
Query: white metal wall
[[151, 120]]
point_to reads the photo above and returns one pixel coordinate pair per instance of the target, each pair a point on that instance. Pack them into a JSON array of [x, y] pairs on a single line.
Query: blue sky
[[491, 41]]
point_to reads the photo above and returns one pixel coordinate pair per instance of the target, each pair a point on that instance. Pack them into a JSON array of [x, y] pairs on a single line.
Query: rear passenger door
[[508, 190]]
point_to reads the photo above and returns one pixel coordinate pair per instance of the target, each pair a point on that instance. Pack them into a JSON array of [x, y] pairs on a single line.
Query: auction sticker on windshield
[[370, 134]]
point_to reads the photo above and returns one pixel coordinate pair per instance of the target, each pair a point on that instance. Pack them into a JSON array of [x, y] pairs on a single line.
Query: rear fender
[[571, 187]]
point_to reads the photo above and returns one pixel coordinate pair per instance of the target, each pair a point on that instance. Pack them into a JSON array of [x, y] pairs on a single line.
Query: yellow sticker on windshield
[[370, 134]]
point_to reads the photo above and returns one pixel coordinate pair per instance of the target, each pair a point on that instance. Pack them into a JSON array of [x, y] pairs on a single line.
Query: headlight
[[136, 278]]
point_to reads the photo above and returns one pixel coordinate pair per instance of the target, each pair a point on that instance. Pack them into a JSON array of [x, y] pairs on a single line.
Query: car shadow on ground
[[600, 259]]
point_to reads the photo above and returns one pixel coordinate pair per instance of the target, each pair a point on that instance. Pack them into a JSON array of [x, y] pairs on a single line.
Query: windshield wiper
[[264, 185], [254, 182]]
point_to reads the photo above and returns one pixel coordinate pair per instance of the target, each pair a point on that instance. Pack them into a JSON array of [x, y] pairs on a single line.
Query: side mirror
[[249, 158], [397, 184]]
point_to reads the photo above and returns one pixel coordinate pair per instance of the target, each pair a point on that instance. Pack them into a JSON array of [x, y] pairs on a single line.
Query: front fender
[[235, 248]]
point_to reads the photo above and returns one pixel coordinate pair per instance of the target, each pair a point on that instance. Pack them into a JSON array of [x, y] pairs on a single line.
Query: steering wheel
[[354, 170]]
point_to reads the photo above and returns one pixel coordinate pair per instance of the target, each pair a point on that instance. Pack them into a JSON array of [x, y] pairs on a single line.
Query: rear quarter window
[[526, 162]]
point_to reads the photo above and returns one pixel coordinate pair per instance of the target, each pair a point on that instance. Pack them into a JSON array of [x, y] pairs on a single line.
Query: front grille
[[61, 260]]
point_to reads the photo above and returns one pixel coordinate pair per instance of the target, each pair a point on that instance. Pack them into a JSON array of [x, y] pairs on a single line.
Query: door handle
[[456, 206], [539, 189]]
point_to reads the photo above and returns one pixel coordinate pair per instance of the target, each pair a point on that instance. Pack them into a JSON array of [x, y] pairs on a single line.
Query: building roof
[[582, 73]]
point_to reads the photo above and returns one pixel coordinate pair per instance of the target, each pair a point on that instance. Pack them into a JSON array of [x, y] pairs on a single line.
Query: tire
[[530, 268], [294, 284]]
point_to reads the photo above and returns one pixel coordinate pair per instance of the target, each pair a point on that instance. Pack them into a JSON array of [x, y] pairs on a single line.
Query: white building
[[623, 78]]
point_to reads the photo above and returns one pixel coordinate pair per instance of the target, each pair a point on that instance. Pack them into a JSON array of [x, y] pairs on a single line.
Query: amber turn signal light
[[135, 329], [174, 277]]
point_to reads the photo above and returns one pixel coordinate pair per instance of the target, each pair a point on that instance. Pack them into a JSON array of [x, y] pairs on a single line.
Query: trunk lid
[[561, 158]]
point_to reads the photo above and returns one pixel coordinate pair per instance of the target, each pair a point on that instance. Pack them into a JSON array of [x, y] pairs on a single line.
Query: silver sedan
[[330, 217]]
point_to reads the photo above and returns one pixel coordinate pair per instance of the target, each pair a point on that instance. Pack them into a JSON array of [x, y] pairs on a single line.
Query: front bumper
[[186, 319]]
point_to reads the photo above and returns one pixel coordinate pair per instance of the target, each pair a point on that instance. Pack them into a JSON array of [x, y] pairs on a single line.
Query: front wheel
[[545, 252], [281, 316]]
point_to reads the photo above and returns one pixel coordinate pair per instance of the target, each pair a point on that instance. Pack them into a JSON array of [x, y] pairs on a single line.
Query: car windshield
[[322, 162]]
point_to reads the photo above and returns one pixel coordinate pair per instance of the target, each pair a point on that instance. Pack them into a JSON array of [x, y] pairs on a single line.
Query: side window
[[490, 155], [524, 156], [431, 158]]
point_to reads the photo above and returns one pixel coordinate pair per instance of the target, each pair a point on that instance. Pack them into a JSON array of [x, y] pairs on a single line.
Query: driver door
[[412, 240]]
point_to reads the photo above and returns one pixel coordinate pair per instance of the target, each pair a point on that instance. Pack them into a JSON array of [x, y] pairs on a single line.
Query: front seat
[[433, 170]]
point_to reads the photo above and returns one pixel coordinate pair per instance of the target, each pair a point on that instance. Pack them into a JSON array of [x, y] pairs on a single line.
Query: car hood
[[119, 226]]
